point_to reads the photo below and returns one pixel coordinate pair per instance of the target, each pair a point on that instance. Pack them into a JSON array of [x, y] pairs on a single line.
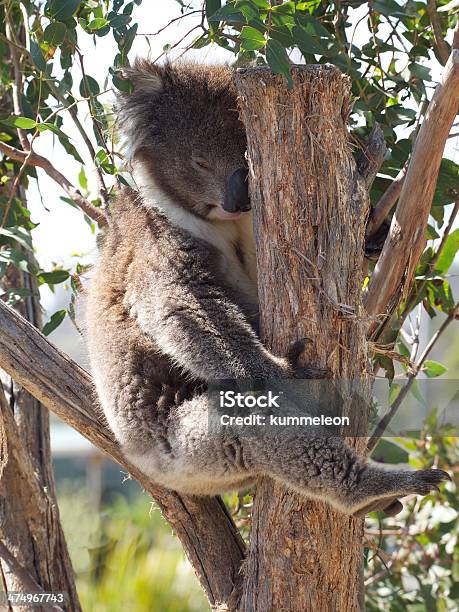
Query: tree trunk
[[30, 526], [310, 207]]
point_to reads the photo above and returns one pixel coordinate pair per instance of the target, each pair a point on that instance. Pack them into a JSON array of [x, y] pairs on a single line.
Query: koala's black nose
[[237, 192]]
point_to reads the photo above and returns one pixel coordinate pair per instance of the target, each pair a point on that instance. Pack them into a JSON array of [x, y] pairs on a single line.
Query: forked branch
[[406, 241]]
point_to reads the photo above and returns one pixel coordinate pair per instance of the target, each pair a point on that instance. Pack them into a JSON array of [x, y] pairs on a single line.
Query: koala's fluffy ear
[[145, 76]]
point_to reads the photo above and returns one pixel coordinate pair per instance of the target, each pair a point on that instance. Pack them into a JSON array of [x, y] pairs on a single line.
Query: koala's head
[[182, 125]]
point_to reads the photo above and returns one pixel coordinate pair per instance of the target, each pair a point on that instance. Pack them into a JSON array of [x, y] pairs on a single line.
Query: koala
[[172, 304]]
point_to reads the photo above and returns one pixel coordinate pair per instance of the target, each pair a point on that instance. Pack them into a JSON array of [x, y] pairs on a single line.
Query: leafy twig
[[17, 73], [405, 243], [169, 23], [432, 264], [384, 422], [74, 115], [33, 159]]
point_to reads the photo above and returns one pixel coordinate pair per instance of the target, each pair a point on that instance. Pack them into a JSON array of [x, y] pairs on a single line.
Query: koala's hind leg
[[328, 469], [179, 453]]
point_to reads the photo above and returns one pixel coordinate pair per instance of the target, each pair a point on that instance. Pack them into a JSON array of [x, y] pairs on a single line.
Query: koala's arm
[[202, 330]]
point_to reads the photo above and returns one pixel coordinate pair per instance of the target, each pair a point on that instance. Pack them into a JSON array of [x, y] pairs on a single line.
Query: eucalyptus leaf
[[252, 39], [54, 322], [62, 9], [278, 61]]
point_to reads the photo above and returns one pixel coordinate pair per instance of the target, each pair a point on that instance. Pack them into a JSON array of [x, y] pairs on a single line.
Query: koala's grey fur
[[173, 302]]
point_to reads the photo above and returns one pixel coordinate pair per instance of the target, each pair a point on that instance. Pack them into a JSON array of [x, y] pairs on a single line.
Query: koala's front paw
[[295, 350]]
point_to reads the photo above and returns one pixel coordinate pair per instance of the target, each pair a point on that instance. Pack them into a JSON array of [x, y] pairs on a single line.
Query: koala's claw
[[426, 480]]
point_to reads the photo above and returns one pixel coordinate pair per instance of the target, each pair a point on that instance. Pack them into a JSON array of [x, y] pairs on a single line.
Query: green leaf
[[50, 127], [37, 56], [212, 7], [395, 389], [388, 7], [98, 23], [25, 123], [103, 161], [305, 42], [228, 13], [53, 278], [124, 85], [61, 9], [54, 33], [448, 253], [447, 188], [252, 39], [278, 61], [248, 9], [82, 179], [432, 369], [284, 8], [54, 322], [420, 71], [23, 238], [313, 26], [119, 21], [89, 86], [440, 295]]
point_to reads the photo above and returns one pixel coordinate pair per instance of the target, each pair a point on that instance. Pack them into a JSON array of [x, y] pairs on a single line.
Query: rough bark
[[310, 207], [32, 546], [203, 525]]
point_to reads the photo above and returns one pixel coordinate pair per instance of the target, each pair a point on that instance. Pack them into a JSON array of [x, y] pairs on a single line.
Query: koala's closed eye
[[201, 163]]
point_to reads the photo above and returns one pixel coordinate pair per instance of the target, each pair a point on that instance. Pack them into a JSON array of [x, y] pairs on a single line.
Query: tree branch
[[26, 579], [386, 202], [208, 535], [370, 160], [440, 43], [33, 159], [406, 240], [29, 521]]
